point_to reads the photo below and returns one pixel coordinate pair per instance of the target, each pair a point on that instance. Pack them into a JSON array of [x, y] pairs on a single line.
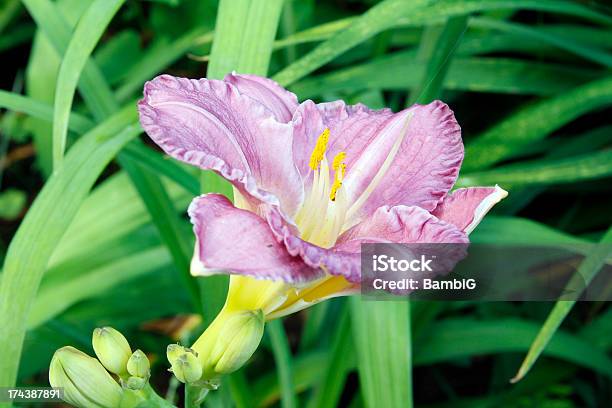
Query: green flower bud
[[112, 349], [173, 351], [85, 382], [229, 342], [136, 383], [185, 364], [138, 365], [237, 341]]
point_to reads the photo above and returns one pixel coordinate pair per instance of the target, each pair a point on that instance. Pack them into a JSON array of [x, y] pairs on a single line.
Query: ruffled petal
[[419, 171], [211, 124], [407, 158], [269, 93], [466, 207], [236, 241], [399, 224]]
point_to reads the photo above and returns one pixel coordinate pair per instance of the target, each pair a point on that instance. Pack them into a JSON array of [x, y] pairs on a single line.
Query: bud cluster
[[92, 382], [224, 347]]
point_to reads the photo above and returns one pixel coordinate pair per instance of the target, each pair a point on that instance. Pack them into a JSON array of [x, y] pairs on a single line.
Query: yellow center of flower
[[322, 215], [325, 214]]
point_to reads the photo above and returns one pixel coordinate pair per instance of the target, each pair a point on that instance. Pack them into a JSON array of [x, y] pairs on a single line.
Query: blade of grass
[[563, 42], [375, 20], [313, 325], [96, 94], [541, 172], [16, 37], [587, 270], [41, 77], [47, 220], [244, 36], [307, 369], [527, 125], [54, 299], [282, 357], [401, 70], [157, 58], [94, 87], [87, 33], [393, 13], [438, 44], [163, 215], [457, 338], [381, 331], [8, 12], [331, 382], [41, 110], [81, 124], [240, 390], [111, 215]]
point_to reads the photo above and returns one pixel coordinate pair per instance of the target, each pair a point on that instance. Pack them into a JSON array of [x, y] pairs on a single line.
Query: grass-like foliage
[[92, 215]]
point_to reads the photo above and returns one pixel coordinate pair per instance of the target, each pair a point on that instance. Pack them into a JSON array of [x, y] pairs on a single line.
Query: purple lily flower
[[311, 181]]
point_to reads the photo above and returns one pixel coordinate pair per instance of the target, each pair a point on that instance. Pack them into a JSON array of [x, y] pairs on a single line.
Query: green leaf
[[375, 20], [393, 13], [47, 220], [19, 103], [314, 34], [457, 338], [149, 158], [163, 215], [307, 370], [54, 298], [94, 87], [586, 272], [41, 77], [87, 33], [244, 35], [563, 42], [18, 36], [514, 230], [331, 382], [401, 70], [534, 122], [381, 331], [156, 58], [110, 217], [438, 44], [282, 357], [542, 172], [8, 11], [96, 93]]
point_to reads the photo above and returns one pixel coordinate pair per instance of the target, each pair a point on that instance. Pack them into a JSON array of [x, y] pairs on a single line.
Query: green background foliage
[[92, 215]]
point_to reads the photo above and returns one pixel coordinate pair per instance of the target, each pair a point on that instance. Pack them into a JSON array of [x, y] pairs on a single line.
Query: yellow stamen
[[319, 151], [338, 160], [340, 169]]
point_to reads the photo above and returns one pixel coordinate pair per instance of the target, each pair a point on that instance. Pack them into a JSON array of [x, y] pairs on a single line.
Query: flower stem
[[194, 396], [154, 400]]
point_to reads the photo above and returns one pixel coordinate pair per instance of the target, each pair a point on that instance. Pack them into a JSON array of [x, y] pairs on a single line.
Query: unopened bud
[[112, 349], [238, 340], [136, 383], [185, 364], [85, 382], [229, 341], [138, 365]]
